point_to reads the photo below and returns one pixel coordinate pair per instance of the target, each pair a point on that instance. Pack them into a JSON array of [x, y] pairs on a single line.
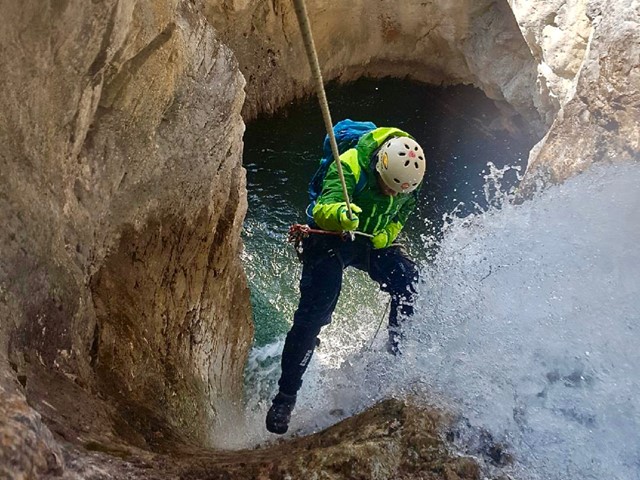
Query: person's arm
[[385, 237], [330, 210]]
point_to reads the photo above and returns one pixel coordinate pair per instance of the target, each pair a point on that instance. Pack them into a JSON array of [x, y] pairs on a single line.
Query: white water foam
[[528, 326]]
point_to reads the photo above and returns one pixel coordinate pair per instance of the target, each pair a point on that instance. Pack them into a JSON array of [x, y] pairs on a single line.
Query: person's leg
[[397, 274], [319, 291]]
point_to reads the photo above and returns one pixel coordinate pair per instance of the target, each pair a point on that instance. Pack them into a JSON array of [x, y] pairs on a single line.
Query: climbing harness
[[312, 57], [298, 232]]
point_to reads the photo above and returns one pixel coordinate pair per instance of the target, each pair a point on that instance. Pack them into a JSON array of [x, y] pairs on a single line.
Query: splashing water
[[530, 325], [527, 326]]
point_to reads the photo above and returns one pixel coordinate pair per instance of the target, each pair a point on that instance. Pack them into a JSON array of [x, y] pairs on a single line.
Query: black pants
[[324, 258]]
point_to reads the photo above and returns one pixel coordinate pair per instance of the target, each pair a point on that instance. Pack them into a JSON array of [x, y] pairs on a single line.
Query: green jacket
[[379, 212]]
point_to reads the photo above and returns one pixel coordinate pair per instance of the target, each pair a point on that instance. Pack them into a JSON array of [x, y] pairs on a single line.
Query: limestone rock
[[440, 42], [599, 99], [122, 201], [27, 447], [557, 33]]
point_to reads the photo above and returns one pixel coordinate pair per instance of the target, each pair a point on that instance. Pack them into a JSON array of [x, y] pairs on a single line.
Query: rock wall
[[569, 67], [392, 440], [588, 54], [439, 42], [122, 201]]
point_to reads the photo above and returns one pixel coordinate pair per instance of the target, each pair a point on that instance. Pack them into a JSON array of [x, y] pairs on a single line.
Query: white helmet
[[401, 164]]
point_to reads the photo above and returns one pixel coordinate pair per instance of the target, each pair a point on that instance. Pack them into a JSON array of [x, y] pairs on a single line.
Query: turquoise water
[[460, 131]]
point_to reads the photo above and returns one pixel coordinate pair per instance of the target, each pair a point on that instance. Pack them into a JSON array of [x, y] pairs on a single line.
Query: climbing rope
[[298, 232], [384, 315], [312, 56]]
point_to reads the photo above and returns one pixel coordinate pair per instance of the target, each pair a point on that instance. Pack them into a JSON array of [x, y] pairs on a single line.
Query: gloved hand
[[346, 224], [381, 240], [385, 238]]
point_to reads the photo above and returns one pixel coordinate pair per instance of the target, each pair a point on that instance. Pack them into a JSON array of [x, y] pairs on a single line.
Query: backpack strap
[[362, 182], [360, 186], [309, 211]]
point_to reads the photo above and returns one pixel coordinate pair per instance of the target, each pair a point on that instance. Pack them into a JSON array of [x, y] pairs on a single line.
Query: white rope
[[384, 314], [312, 56]]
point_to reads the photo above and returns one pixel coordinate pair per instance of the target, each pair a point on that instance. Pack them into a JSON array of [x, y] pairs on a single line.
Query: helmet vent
[[417, 166], [406, 164], [402, 154], [407, 146], [396, 180]]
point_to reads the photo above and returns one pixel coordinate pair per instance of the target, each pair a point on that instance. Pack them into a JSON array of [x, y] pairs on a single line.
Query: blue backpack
[[347, 133]]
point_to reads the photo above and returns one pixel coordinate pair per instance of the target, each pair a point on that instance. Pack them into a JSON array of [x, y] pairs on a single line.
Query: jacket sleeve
[[394, 228], [326, 212], [406, 209]]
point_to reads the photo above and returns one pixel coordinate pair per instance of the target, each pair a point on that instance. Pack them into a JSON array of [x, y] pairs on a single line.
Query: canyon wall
[[124, 311], [588, 55], [440, 42], [123, 298], [569, 67]]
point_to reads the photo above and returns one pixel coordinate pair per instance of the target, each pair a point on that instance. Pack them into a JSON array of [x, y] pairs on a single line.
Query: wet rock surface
[[391, 440], [28, 448]]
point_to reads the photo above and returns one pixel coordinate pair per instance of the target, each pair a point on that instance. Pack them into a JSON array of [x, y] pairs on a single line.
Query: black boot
[[280, 413]]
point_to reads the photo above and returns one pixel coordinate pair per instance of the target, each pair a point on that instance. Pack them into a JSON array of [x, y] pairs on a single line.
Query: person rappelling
[[361, 200]]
